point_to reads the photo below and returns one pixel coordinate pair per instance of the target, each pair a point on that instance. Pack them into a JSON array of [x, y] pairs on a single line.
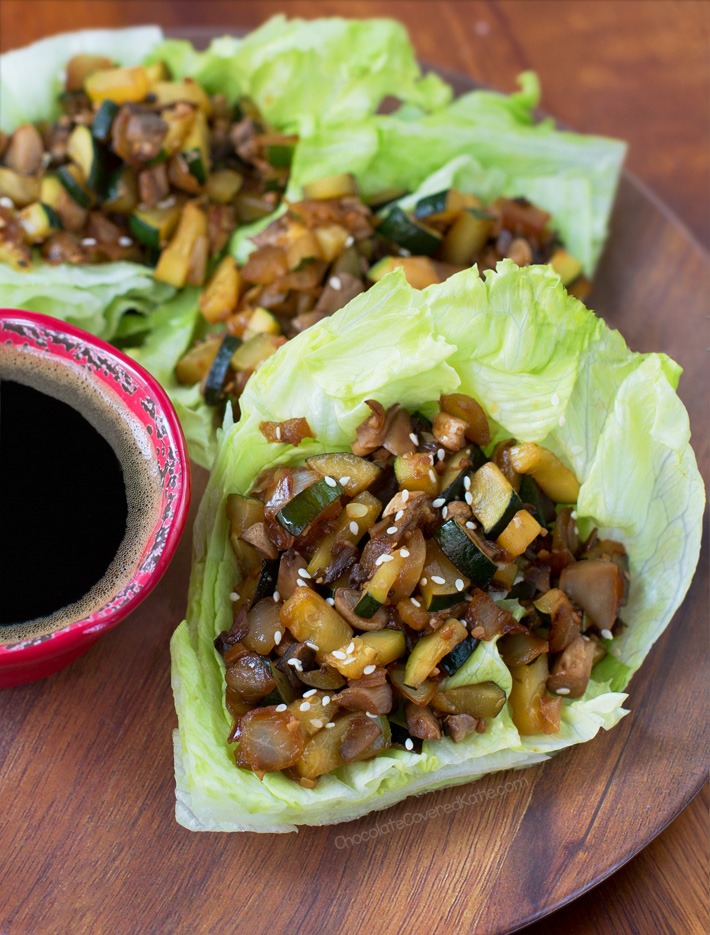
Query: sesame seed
[[409, 743], [335, 283], [354, 528], [438, 502], [356, 509], [459, 584], [276, 596], [468, 497], [6, 202], [305, 706], [368, 670], [277, 637], [404, 553], [573, 514], [437, 579], [382, 559], [423, 581], [370, 714], [405, 496], [316, 722], [555, 399], [330, 481], [404, 252], [278, 432], [415, 440], [344, 481], [301, 583], [325, 700], [304, 573], [167, 202], [445, 512], [234, 596], [391, 530], [88, 242], [350, 241], [331, 601], [338, 654], [329, 725], [348, 660], [124, 241], [296, 663], [440, 454], [470, 524], [563, 691], [281, 707], [467, 482], [607, 634], [309, 693], [432, 476], [398, 515], [350, 648], [314, 646]]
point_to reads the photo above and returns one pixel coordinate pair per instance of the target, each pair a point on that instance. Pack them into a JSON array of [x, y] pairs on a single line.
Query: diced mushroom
[[421, 722], [338, 291], [25, 150], [377, 699], [571, 671], [361, 734], [269, 740], [597, 586], [460, 726], [250, 677], [449, 431], [256, 535], [137, 134], [389, 429], [345, 601], [486, 620], [153, 185]]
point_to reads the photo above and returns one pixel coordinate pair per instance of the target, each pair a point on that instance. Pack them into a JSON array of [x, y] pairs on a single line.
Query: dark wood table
[[634, 70]]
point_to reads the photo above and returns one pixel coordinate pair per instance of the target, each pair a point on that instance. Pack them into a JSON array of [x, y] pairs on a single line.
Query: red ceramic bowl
[[144, 401]]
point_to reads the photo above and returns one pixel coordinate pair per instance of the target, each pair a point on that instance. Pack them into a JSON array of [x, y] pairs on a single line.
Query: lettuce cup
[[545, 370]]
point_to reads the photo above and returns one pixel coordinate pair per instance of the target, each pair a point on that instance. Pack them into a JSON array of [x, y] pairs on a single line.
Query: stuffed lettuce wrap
[[545, 370]]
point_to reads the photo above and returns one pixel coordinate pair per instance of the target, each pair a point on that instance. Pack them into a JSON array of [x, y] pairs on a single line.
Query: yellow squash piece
[[120, 85], [556, 480], [174, 265]]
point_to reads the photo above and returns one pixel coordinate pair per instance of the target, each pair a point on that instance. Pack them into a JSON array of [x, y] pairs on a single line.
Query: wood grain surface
[[87, 837]]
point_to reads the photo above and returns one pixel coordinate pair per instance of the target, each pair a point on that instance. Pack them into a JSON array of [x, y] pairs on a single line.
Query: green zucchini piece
[[493, 501], [253, 352], [465, 553], [154, 226], [482, 699], [196, 148], [355, 473], [280, 155], [103, 121], [38, 221], [266, 585], [378, 587], [284, 693], [367, 606], [73, 186], [120, 194], [429, 650], [453, 661], [85, 152], [398, 227], [431, 204], [213, 391], [385, 197], [306, 506], [535, 501], [453, 486]]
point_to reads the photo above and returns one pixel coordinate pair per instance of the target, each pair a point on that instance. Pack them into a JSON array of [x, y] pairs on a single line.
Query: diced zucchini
[[155, 226], [398, 227], [352, 658], [532, 709], [74, 182], [535, 501], [51, 191], [331, 240], [221, 294], [378, 587], [419, 271], [261, 321], [223, 185], [388, 645], [22, 190], [466, 237], [194, 366], [567, 267], [284, 693], [323, 752], [519, 533], [483, 699], [121, 192], [431, 649], [174, 265], [316, 714], [308, 617], [453, 661], [416, 472], [179, 123], [493, 501], [214, 384], [255, 351], [357, 517], [453, 481], [306, 506], [196, 148], [461, 548], [103, 121], [170, 92], [420, 695], [354, 473], [38, 221], [121, 85], [555, 479], [84, 151], [331, 186], [444, 583]]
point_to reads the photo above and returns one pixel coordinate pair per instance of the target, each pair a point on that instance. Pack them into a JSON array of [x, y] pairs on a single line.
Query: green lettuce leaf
[[572, 176], [546, 369], [306, 72]]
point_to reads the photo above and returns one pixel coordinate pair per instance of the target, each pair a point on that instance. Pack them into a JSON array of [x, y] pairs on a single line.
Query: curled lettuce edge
[[546, 369]]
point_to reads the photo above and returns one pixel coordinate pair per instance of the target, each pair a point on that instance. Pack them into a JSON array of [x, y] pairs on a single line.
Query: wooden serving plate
[[89, 841]]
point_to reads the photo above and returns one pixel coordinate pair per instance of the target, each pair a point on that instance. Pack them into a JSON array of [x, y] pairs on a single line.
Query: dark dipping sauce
[[63, 507]]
